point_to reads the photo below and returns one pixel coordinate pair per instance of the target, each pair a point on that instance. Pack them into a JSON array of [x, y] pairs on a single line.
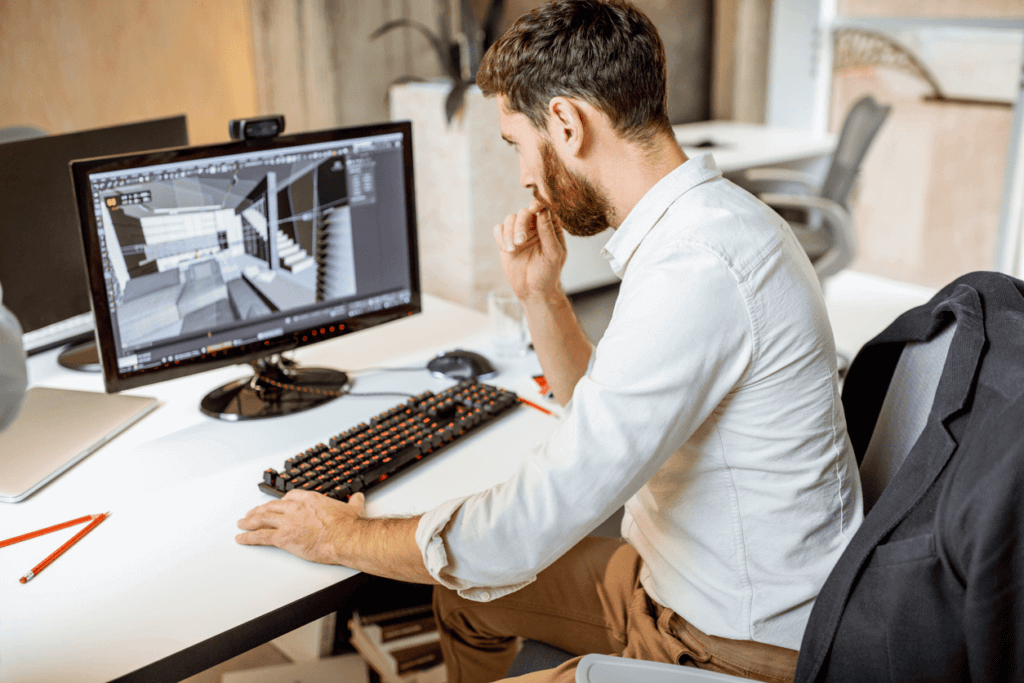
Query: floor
[[594, 310], [264, 655]]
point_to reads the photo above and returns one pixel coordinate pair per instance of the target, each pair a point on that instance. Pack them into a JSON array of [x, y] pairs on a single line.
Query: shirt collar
[[652, 206]]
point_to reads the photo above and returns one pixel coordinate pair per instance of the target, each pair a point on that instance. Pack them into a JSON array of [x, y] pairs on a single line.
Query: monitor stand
[[81, 356], [279, 386]]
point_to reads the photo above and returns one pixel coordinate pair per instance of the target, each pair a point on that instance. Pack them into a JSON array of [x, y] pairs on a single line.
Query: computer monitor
[[41, 263], [210, 256]]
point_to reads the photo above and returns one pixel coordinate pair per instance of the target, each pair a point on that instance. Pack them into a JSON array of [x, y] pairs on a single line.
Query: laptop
[[57, 428]]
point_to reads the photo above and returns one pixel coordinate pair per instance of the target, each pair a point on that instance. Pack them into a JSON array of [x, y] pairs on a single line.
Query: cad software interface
[[212, 253]]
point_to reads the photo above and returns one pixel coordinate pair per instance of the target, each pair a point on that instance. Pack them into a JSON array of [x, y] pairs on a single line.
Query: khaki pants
[[589, 601]]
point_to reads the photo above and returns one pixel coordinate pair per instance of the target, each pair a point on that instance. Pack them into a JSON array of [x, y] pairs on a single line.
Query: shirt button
[[485, 596]]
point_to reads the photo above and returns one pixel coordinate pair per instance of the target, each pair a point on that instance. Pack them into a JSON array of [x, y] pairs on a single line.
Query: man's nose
[[525, 179]]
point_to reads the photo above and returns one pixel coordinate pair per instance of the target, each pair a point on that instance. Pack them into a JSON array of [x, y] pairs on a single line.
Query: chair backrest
[[859, 130], [904, 412]]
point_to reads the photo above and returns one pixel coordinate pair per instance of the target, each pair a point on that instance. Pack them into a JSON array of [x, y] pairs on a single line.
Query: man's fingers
[[499, 235], [503, 233], [519, 229], [259, 537], [550, 238], [534, 239], [273, 506], [259, 520], [524, 226], [358, 503]]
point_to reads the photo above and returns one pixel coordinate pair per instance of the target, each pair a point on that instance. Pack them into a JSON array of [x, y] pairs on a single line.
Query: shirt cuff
[[429, 538]]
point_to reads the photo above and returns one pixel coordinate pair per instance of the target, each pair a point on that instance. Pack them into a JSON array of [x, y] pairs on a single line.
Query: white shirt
[[13, 377], [710, 410]]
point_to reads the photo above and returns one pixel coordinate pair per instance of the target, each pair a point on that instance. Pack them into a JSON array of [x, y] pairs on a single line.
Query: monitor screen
[[41, 263], [209, 256]]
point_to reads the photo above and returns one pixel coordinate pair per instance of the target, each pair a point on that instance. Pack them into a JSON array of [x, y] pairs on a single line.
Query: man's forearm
[[562, 347], [384, 547]]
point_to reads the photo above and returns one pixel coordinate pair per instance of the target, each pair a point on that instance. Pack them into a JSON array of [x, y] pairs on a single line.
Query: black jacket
[[931, 588]]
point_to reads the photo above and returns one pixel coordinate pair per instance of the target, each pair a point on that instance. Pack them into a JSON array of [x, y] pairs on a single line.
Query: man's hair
[[604, 52]]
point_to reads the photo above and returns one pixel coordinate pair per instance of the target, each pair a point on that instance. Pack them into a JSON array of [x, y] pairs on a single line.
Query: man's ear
[[567, 125]]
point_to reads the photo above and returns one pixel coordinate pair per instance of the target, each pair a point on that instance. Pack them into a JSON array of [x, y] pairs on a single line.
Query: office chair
[[12, 133], [822, 221], [900, 422]]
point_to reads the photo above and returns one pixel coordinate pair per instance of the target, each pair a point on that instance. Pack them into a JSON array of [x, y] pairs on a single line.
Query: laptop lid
[[57, 428]]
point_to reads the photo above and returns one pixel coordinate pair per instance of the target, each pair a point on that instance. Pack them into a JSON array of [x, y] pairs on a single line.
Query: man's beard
[[576, 204]]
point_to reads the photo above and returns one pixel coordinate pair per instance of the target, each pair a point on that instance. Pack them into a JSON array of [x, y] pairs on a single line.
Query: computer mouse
[[460, 364]]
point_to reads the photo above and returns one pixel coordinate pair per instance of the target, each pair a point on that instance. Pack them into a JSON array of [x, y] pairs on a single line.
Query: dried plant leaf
[[453, 102], [441, 49]]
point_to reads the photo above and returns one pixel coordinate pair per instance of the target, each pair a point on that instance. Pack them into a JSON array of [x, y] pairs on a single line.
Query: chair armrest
[[836, 220], [832, 212], [608, 669], [783, 175]]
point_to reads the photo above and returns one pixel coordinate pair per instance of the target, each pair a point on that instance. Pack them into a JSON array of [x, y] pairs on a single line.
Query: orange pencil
[[534, 405], [55, 527], [60, 551]]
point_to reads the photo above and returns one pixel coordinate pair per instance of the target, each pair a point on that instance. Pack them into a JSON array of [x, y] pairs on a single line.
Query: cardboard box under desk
[[400, 646]]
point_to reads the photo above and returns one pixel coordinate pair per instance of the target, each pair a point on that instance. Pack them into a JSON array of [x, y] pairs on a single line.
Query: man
[[709, 408], [13, 377]]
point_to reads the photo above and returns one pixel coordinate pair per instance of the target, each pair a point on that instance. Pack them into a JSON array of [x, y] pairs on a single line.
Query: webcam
[[260, 127]]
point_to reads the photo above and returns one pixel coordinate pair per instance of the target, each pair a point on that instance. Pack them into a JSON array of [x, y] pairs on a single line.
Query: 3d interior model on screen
[[192, 253], [215, 255]]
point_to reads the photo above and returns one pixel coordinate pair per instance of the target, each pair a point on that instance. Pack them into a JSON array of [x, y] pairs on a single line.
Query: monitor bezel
[[114, 379]]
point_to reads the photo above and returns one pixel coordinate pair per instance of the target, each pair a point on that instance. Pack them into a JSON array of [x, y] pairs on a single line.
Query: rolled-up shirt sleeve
[[676, 346]]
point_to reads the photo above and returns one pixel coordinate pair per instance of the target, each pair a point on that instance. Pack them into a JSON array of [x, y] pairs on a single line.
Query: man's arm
[[320, 529], [532, 255]]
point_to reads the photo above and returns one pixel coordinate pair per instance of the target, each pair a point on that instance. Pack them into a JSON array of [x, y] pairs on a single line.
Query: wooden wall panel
[[1002, 9], [927, 209], [69, 66]]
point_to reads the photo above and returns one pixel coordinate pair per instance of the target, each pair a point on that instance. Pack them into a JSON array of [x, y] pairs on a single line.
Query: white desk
[[736, 147], [161, 591], [739, 146], [860, 306]]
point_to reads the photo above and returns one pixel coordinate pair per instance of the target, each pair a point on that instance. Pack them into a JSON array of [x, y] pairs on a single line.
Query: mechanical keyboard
[[366, 455]]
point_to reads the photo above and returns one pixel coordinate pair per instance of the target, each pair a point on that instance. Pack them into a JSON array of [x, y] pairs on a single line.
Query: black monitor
[[41, 263], [234, 253]]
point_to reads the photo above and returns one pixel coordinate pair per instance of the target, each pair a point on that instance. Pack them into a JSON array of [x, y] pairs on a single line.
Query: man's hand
[[321, 529], [305, 524], [532, 251]]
